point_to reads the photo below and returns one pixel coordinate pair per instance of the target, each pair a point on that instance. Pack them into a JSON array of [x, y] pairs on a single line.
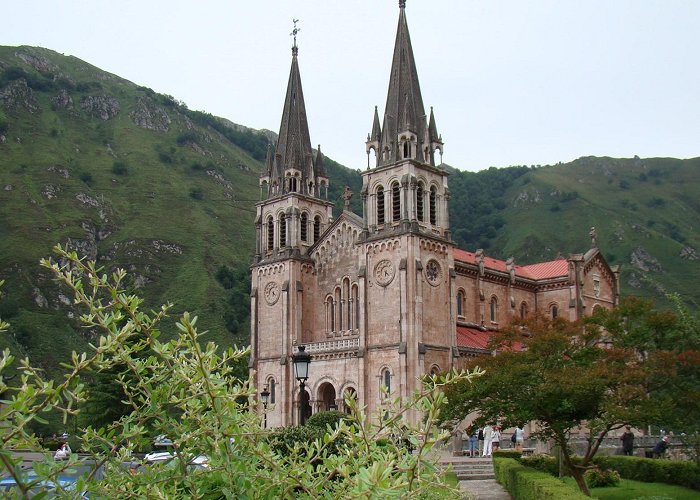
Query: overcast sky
[[512, 82]]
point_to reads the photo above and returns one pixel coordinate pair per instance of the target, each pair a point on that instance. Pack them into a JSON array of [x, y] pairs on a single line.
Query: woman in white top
[[496, 438]]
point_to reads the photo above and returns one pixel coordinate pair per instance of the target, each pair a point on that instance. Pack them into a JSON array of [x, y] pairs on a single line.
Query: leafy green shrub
[[120, 168], [514, 454], [653, 471], [323, 419], [166, 158], [4, 123], [524, 483], [542, 463], [601, 478], [284, 439], [196, 193]]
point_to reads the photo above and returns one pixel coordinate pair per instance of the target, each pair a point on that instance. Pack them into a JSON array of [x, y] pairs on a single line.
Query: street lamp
[[301, 360], [265, 397]]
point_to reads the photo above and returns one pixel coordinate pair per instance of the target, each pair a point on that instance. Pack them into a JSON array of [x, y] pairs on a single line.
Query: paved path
[[484, 489]]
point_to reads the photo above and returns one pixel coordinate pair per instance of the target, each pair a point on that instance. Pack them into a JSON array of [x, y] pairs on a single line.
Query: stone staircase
[[467, 468]]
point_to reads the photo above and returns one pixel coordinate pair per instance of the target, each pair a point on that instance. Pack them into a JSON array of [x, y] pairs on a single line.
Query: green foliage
[[4, 123], [324, 419], [196, 193], [601, 478], [543, 463], [120, 168], [649, 470], [86, 177], [524, 483], [187, 390]]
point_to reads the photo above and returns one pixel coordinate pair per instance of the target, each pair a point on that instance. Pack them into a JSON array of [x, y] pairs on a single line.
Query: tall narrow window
[[395, 202], [330, 314], [380, 205], [494, 309], [304, 230], [460, 303], [419, 202], [317, 228], [348, 304], [406, 150], [386, 380], [273, 386], [270, 233], [283, 231], [555, 311], [356, 305], [433, 205], [339, 309], [523, 310]]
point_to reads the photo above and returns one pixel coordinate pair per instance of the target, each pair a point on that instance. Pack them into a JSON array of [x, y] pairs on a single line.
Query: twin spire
[[291, 166], [405, 133]]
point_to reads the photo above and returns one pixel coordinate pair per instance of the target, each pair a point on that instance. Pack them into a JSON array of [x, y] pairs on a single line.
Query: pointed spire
[[432, 128], [293, 151], [376, 134], [319, 165], [404, 109]]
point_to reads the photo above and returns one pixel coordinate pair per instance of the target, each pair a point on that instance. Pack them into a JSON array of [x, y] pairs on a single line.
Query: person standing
[[496, 438], [660, 447], [488, 435], [474, 443], [627, 441], [480, 438], [519, 438]]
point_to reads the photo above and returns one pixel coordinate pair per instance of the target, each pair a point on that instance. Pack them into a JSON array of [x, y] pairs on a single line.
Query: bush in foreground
[[188, 391]]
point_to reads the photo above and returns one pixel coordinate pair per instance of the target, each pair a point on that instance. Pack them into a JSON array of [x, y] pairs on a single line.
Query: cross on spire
[[294, 32]]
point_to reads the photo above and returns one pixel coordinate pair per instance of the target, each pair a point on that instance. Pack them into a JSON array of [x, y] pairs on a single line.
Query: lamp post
[[265, 397], [301, 360]]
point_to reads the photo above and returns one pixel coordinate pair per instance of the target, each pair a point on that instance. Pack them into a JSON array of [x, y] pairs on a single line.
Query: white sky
[[512, 82]]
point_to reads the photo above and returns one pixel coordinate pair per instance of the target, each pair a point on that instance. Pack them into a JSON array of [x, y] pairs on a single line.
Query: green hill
[[135, 179]]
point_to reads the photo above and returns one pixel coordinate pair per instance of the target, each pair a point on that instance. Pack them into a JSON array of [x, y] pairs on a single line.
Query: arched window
[[348, 305], [406, 149], [554, 311], [386, 380], [339, 309], [523, 310], [356, 306], [395, 202], [380, 205], [317, 228], [419, 202], [283, 231], [270, 233], [272, 387], [304, 231], [434, 370], [433, 205], [494, 309], [460, 303], [293, 184], [330, 315]]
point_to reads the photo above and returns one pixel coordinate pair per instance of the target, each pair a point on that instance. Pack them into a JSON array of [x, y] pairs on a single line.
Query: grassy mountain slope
[[645, 212], [124, 175]]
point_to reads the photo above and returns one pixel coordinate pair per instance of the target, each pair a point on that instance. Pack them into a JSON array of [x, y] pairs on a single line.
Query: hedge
[[653, 471], [524, 483]]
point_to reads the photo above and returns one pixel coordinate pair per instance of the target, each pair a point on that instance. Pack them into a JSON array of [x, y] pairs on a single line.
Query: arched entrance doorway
[[326, 397]]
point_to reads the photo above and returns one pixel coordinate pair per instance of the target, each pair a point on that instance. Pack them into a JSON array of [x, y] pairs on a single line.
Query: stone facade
[[380, 299]]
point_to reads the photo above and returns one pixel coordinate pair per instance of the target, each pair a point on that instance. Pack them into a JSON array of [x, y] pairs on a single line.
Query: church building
[[381, 298]]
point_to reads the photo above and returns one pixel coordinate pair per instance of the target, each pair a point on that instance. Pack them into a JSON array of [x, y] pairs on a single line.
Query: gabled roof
[[558, 268]]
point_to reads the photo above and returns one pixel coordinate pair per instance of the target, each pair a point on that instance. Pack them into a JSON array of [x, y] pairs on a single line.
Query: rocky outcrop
[[49, 191], [102, 107], [62, 171], [38, 62], [527, 198], [63, 100], [17, 96], [642, 260], [150, 116], [689, 253]]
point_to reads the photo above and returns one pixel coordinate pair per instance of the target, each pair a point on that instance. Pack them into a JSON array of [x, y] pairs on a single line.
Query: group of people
[[484, 441]]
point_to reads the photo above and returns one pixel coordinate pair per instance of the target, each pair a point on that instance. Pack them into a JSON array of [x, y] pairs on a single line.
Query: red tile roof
[[474, 338], [543, 270]]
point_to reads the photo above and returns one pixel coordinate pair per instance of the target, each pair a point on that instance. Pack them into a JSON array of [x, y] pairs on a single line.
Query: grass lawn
[[628, 490]]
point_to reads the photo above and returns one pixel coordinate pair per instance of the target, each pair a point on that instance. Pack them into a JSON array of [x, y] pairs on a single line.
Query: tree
[[188, 392], [563, 381]]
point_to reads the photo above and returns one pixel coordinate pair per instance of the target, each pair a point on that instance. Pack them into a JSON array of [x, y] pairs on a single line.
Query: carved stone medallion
[[272, 292], [433, 273], [384, 272]]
